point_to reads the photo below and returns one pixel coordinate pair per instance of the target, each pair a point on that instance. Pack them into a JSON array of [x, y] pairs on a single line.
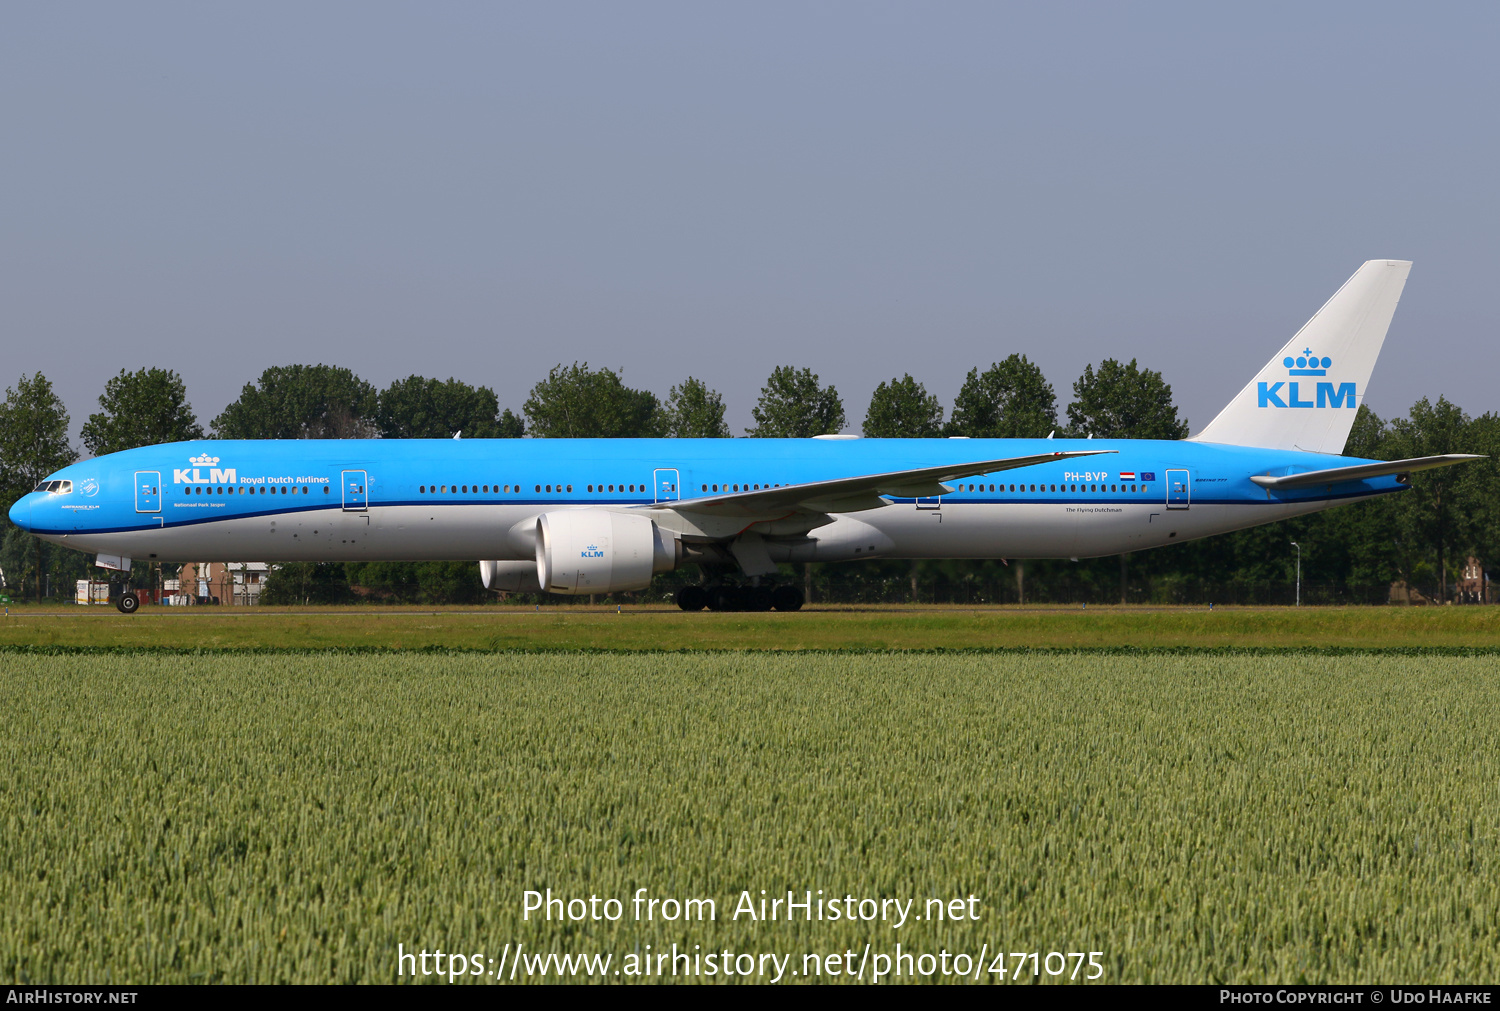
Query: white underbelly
[[1060, 529], [382, 533], [479, 531]]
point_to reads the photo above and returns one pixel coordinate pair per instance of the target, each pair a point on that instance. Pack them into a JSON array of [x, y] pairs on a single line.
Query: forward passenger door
[[148, 491], [356, 491]]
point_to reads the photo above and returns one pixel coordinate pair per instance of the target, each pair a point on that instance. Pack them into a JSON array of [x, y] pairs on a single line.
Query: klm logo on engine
[[1290, 393], [592, 551], [194, 474]]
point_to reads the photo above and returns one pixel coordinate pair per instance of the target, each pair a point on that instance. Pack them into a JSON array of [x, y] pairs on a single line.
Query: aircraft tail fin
[[1307, 395]]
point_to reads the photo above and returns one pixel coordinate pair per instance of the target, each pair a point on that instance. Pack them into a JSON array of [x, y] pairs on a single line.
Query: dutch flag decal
[[1127, 475]]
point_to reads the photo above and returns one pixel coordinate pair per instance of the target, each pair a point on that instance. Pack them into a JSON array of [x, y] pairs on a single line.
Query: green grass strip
[[1141, 651]]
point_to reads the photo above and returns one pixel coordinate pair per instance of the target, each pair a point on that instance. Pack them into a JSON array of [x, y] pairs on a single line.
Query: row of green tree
[[1011, 399], [1419, 537]]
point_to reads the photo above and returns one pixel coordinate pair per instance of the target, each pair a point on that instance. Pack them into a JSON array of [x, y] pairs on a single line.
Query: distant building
[[1473, 587], [88, 591], [228, 583], [1473, 584], [1403, 594]]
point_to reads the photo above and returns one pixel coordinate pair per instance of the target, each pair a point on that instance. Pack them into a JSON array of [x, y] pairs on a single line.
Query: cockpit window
[[57, 487]]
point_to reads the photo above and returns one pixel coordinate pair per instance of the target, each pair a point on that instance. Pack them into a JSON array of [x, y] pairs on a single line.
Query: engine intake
[[598, 551]]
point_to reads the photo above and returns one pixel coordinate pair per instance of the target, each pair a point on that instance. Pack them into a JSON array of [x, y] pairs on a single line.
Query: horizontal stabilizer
[[1359, 472], [851, 494]]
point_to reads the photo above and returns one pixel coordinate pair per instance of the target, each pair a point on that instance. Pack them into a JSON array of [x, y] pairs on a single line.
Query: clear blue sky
[[485, 190]]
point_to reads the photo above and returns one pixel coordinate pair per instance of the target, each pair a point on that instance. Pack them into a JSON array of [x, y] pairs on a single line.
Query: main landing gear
[[721, 597]]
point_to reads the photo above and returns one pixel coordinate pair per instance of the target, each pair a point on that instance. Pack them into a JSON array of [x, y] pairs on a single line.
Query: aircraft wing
[[1358, 472], [851, 494]]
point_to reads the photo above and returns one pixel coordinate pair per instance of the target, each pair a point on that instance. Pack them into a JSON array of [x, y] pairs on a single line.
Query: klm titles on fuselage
[[1306, 364], [230, 475]]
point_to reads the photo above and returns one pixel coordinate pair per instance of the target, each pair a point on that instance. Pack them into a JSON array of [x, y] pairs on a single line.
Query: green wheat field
[[1197, 817]]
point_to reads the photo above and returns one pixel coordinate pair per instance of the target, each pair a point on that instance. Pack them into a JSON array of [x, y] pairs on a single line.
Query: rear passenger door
[[1179, 489]]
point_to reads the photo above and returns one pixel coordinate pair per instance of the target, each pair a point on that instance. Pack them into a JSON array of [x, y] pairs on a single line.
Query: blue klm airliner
[[596, 516]]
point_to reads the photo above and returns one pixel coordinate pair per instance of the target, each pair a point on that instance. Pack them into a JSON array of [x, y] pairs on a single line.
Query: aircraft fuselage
[[366, 500]]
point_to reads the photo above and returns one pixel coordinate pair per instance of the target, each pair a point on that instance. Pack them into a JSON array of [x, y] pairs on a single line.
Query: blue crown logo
[[1307, 364]]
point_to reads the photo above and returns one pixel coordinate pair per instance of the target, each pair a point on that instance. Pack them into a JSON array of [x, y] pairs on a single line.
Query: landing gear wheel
[[726, 598], [128, 603], [692, 598], [786, 598], [758, 598]]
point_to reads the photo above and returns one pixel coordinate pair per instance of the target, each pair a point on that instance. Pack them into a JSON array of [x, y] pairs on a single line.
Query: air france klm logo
[[1305, 364], [194, 475], [592, 551]]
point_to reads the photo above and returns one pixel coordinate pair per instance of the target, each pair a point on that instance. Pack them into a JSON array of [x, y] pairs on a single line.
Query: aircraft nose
[[20, 513]]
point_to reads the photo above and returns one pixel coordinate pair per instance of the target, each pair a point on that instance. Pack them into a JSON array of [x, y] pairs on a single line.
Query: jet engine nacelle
[[598, 551], [515, 577]]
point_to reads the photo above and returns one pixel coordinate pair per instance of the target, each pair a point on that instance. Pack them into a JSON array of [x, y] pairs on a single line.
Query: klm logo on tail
[[1305, 364], [1349, 330]]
